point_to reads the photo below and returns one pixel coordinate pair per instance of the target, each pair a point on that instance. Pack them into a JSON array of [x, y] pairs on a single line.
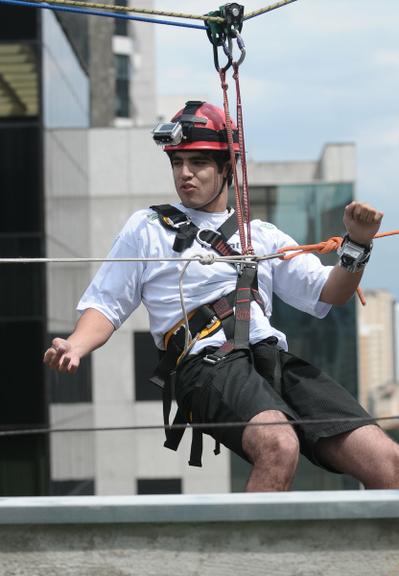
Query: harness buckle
[[204, 242], [212, 359], [176, 225]]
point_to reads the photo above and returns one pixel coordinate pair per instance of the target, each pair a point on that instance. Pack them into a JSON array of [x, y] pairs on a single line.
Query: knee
[[284, 447], [274, 445]]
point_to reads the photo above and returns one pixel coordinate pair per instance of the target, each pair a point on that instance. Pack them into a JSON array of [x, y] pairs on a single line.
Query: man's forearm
[[92, 330], [340, 286]]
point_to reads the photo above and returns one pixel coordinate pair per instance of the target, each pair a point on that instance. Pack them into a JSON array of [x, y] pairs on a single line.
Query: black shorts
[[267, 378]]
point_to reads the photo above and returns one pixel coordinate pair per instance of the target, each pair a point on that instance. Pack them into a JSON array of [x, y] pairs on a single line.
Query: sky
[[316, 71]]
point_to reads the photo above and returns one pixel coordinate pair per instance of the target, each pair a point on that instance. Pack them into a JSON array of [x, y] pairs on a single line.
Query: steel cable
[[201, 426]]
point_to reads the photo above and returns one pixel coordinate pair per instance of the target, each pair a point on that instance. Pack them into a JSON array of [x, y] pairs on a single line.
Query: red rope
[[241, 140], [229, 131]]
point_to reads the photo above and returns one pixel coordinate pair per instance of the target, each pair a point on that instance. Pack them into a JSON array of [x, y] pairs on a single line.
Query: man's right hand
[[92, 330], [61, 357]]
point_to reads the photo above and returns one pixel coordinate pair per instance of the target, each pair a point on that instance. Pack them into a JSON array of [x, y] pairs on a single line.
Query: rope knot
[[207, 259], [330, 245]]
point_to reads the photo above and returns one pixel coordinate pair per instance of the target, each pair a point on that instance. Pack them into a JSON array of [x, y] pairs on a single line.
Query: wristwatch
[[353, 256]]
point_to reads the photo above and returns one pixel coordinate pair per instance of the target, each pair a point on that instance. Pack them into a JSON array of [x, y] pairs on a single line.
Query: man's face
[[198, 181]]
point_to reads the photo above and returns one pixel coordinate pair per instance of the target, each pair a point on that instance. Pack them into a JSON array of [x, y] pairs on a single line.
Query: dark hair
[[221, 157]]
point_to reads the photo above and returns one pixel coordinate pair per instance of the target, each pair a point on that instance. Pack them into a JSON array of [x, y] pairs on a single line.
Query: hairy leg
[[274, 452], [366, 453]]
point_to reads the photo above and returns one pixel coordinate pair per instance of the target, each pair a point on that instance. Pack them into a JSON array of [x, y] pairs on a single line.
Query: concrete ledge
[[294, 534], [329, 505]]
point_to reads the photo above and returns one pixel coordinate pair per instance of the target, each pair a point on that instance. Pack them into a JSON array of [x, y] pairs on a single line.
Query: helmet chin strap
[[225, 178]]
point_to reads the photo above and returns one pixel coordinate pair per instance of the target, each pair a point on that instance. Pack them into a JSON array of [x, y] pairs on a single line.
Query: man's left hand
[[362, 222]]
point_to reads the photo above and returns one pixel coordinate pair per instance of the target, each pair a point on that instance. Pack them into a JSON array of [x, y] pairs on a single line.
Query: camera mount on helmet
[[198, 126]]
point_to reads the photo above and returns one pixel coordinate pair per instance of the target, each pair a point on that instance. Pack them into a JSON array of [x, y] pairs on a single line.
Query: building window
[[159, 486], [18, 79], [121, 24], [146, 357], [84, 487], [122, 100], [70, 388]]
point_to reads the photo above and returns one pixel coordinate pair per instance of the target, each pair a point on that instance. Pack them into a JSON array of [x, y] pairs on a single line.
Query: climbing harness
[[231, 312]]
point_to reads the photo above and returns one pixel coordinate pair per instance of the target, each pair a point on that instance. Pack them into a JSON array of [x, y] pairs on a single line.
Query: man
[[260, 383]]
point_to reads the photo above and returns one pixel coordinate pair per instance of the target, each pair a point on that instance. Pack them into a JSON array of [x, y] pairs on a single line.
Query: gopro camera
[[168, 133]]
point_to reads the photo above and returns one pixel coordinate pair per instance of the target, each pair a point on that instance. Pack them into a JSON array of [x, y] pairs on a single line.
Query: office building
[[60, 75], [78, 122], [378, 386]]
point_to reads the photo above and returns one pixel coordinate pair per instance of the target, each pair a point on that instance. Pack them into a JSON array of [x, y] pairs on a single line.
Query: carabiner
[[241, 46], [216, 57]]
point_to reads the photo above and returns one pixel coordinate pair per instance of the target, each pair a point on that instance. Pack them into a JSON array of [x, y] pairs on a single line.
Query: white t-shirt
[[118, 287]]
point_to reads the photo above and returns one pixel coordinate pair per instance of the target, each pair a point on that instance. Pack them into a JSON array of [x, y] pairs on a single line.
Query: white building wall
[[129, 172], [68, 236], [337, 163]]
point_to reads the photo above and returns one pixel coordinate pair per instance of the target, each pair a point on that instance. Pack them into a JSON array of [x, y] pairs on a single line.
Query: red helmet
[[204, 128]]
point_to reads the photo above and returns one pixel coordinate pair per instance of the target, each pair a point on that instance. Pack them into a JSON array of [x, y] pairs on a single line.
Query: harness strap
[[244, 294], [210, 316], [186, 231], [219, 314]]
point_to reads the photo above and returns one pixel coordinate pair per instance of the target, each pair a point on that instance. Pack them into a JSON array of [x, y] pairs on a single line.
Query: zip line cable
[[202, 258], [268, 9], [323, 247], [75, 10], [91, 8], [199, 426], [149, 12]]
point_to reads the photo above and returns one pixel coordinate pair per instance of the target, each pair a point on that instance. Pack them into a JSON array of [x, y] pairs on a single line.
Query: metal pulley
[[221, 34]]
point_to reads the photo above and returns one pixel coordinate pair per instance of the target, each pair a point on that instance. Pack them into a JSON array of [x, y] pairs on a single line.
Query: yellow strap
[[174, 329], [203, 334], [209, 329]]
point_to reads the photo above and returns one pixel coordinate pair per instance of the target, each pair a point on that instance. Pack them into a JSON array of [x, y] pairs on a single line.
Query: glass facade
[[122, 101], [310, 213], [66, 117], [121, 24], [19, 65], [19, 96], [43, 86], [65, 83], [23, 396]]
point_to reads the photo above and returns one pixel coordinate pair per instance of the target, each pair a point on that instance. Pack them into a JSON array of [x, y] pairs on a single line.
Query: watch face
[[353, 257], [352, 251]]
